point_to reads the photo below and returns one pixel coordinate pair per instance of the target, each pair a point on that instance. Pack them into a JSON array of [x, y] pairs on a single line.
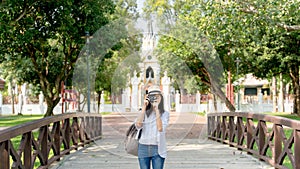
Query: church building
[[150, 72]]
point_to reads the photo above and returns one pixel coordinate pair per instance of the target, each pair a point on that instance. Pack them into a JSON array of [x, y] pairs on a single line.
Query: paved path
[[187, 148]]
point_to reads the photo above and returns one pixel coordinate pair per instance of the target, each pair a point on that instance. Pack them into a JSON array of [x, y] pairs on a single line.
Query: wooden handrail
[[267, 140], [59, 134]]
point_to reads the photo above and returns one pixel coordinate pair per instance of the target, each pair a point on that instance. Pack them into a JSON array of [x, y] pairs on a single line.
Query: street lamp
[[87, 37], [238, 83]]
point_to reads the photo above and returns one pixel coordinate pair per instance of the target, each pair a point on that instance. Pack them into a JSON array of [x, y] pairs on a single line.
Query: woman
[[154, 120]]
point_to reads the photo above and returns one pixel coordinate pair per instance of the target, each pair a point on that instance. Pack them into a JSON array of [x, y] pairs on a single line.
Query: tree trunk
[[215, 103], [99, 99], [294, 74], [297, 111], [12, 96], [217, 91], [50, 106], [281, 95], [13, 102], [274, 93]]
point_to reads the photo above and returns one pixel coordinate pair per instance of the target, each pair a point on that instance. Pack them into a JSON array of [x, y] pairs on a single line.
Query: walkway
[[187, 148]]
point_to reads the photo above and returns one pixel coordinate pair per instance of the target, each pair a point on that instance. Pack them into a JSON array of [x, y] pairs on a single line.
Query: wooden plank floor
[[182, 154], [188, 148]]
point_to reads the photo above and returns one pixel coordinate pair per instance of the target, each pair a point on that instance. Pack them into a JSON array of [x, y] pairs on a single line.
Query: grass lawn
[[9, 121], [286, 115], [14, 120]]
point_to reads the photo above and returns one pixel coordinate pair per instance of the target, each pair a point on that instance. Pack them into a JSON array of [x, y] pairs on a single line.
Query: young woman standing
[[154, 120]]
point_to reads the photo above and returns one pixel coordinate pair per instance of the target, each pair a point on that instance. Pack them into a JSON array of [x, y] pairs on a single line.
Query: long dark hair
[[161, 109]]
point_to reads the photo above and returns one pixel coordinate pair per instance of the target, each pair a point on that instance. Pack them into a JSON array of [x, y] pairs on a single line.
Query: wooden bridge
[[95, 141]]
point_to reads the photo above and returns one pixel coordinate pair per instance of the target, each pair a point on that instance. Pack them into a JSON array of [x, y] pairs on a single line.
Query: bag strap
[[131, 129]]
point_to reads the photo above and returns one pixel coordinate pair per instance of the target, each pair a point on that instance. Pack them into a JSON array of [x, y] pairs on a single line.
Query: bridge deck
[[187, 148]]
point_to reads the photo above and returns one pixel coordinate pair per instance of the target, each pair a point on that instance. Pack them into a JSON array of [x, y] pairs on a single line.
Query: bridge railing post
[[297, 148], [87, 128], [27, 150], [231, 129], [44, 145], [224, 129], [261, 136], [74, 131], [4, 155], [67, 135], [99, 123], [249, 134], [56, 137], [218, 129], [210, 125], [93, 129], [277, 143], [240, 131], [81, 130]]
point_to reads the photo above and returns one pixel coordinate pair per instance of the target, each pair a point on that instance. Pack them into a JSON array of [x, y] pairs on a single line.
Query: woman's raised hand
[[155, 105], [146, 102]]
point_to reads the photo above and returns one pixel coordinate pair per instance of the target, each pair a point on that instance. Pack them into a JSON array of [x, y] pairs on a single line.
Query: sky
[[142, 23]]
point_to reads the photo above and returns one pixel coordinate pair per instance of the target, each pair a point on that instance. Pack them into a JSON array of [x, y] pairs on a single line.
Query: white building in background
[[256, 95], [150, 69]]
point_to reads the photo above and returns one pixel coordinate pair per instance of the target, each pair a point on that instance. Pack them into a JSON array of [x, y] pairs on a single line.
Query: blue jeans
[[148, 154]]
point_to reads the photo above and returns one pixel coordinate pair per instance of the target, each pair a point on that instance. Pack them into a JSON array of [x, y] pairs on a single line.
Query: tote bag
[[132, 140]]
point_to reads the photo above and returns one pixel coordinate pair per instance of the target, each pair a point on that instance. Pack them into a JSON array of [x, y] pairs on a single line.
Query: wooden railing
[[273, 139], [42, 142]]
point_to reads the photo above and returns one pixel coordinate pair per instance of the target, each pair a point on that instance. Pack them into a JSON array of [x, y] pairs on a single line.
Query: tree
[[264, 34], [194, 46], [42, 39], [119, 63], [181, 64], [270, 47], [110, 47]]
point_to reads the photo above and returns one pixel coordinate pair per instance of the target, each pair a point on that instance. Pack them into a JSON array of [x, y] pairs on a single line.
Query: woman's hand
[[157, 113], [146, 102], [141, 116], [155, 106]]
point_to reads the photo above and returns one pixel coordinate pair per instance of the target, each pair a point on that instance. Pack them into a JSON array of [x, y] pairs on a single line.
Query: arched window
[[149, 73]]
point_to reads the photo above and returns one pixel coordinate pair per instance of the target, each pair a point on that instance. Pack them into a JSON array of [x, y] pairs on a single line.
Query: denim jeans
[[148, 154]]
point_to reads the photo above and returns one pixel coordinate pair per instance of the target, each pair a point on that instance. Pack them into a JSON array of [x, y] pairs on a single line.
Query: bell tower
[[149, 66]]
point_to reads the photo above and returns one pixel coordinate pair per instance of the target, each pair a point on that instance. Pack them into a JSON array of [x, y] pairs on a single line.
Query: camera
[[151, 98]]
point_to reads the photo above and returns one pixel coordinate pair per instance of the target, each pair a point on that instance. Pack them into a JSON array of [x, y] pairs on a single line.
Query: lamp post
[[87, 37], [238, 83]]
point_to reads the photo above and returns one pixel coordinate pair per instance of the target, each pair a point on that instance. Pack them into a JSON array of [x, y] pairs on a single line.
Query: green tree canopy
[[264, 34], [41, 40]]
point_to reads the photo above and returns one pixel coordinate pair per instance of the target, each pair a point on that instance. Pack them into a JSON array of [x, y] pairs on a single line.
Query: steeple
[[149, 38], [150, 67], [150, 27]]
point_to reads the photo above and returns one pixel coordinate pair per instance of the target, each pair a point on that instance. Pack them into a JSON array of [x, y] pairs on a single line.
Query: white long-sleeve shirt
[[150, 134]]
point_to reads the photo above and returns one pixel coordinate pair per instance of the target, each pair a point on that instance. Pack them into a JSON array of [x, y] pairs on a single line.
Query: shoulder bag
[[132, 140]]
